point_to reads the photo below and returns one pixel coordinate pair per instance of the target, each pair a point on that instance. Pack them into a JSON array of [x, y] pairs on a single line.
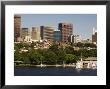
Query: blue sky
[[82, 23]]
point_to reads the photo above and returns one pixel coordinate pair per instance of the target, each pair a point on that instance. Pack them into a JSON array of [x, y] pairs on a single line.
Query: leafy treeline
[[52, 55]]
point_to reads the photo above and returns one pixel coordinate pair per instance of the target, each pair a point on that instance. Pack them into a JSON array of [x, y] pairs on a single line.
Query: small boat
[[89, 65], [94, 66], [79, 65]]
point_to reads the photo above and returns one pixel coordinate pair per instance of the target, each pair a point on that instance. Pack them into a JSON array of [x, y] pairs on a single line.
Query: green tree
[[32, 56], [50, 57], [54, 47], [69, 50], [61, 55], [17, 56], [25, 58], [70, 58], [79, 44], [90, 45], [38, 58], [92, 53], [19, 45]]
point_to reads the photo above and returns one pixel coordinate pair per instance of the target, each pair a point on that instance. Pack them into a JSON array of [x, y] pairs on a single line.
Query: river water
[[53, 71]]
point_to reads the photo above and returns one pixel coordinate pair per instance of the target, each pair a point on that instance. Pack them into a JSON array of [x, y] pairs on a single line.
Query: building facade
[[57, 35], [28, 39], [71, 38], [24, 32], [17, 25], [77, 38], [66, 30], [94, 36], [35, 35], [47, 33]]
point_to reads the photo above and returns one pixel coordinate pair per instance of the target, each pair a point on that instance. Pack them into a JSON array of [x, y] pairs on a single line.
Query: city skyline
[[82, 23]]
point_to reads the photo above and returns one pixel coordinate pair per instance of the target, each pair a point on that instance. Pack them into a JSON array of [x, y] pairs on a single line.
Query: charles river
[[53, 71]]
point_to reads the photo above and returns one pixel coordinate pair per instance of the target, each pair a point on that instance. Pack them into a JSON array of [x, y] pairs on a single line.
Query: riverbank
[[29, 65]]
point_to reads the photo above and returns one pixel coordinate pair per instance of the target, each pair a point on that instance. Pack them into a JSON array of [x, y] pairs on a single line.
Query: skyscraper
[[94, 37], [35, 35], [24, 32], [17, 25], [47, 33], [66, 30]]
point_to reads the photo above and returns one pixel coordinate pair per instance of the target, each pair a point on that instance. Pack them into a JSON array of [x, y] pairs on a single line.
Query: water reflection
[[53, 71]]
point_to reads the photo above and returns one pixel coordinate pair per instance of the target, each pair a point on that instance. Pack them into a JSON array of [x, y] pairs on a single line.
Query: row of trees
[[81, 45], [45, 56], [52, 55]]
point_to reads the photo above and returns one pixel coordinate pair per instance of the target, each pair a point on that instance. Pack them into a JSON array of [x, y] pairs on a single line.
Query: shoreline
[[44, 66], [28, 65], [51, 66]]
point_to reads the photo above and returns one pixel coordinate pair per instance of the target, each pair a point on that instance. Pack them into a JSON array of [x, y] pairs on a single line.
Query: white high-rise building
[[27, 39], [77, 38]]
